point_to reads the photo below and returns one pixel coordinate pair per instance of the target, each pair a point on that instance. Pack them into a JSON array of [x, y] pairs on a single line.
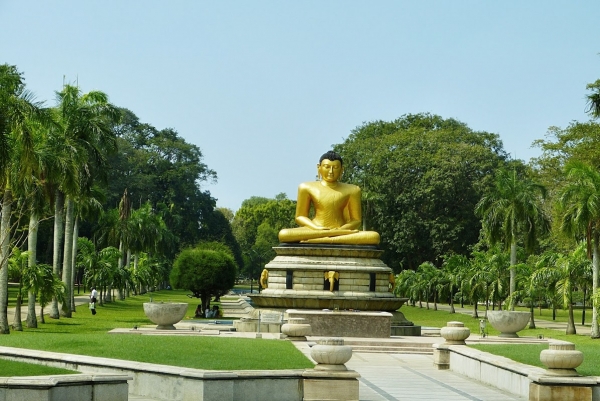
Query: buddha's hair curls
[[331, 155]]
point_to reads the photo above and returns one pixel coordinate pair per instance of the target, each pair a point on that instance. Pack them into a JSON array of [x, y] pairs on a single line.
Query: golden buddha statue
[[337, 208]]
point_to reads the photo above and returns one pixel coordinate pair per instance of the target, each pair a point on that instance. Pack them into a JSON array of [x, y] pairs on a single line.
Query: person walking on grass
[[93, 298]]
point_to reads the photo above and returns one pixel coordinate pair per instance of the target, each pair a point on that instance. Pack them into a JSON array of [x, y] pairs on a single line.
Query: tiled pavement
[[408, 377], [411, 377]]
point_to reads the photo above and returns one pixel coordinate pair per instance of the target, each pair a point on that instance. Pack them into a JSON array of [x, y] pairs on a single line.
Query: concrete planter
[[296, 328], [561, 359], [331, 354], [165, 315], [508, 323], [455, 333]]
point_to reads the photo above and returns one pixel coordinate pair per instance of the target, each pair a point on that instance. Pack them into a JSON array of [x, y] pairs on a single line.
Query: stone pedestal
[[331, 385], [330, 379], [561, 359], [328, 277], [455, 333]]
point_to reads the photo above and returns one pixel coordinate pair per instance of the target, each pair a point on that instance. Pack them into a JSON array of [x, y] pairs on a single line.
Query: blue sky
[[265, 87]]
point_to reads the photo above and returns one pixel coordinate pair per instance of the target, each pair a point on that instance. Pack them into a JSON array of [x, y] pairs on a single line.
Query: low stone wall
[[530, 382], [65, 388], [171, 383]]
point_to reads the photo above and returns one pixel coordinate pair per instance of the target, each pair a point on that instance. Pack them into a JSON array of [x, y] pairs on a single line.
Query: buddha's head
[[330, 167]]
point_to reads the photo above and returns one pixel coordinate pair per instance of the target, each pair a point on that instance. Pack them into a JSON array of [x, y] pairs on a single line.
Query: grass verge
[[86, 334]]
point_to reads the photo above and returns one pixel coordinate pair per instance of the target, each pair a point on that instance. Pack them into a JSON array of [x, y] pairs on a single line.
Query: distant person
[[94, 295], [198, 312], [93, 306]]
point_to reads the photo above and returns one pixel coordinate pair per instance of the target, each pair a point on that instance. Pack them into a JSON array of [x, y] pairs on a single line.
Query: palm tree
[[511, 210], [579, 204], [85, 122], [18, 114], [594, 99], [454, 268], [49, 287], [406, 286], [17, 265]]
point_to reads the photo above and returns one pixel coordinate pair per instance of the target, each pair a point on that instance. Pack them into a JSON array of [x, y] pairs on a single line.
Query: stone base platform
[[328, 277], [345, 323]]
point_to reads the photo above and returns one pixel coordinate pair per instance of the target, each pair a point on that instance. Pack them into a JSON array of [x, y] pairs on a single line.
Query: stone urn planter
[[508, 322], [331, 354], [561, 359], [165, 314], [296, 328], [455, 333]]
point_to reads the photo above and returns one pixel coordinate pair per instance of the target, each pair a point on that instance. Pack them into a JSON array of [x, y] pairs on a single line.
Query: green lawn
[[12, 368], [86, 334], [524, 353]]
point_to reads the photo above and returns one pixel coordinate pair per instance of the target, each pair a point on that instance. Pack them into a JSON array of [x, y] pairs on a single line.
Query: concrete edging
[[507, 375]]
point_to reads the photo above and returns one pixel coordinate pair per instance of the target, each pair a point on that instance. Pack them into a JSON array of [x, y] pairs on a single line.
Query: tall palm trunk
[[68, 258], [513, 271], [571, 323], [73, 262], [32, 248], [4, 254], [17, 325], [595, 332], [58, 237], [532, 318]]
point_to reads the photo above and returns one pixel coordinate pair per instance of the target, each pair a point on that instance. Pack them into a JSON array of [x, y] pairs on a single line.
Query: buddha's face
[[330, 171]]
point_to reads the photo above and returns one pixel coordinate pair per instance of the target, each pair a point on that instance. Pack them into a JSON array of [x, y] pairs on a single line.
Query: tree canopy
[[206, 270], [421, 177]]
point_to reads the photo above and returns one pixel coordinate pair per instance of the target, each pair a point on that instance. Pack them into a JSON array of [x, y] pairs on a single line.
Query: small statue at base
[[337, 208], [264, 278]]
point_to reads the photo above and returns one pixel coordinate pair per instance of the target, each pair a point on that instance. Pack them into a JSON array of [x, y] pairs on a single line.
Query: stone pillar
[[562, 382], [455, 333], [330, 379], [441, 356]]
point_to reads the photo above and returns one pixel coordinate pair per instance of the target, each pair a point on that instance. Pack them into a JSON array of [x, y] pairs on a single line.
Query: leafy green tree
[[580, 209], [422, 176], [512, 210], [160, 167], [255, 227], [206, 271]]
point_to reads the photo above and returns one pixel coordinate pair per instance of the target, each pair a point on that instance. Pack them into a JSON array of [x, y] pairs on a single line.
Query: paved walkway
[[408, 377]]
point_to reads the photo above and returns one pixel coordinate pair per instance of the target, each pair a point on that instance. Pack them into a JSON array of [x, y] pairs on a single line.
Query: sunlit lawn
[[87, 334], [524, 353]]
